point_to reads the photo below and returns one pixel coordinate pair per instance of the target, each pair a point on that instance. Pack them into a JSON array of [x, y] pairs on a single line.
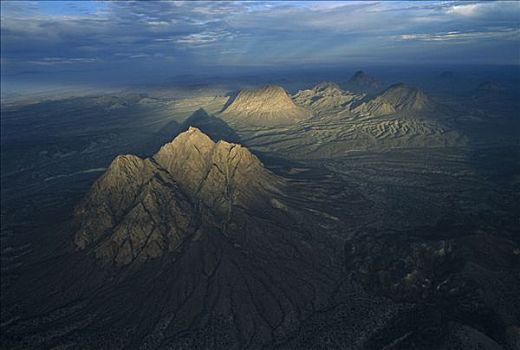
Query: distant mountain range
[[270, 105]]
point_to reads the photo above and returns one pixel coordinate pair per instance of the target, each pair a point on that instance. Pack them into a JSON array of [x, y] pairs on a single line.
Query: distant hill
[[265, 106], [362, 80], [325, 96], [398, 97]]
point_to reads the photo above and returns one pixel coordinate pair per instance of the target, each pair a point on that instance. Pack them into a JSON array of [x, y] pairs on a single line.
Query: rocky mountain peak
[[265, 106], [265, 98], [202, 226], [192, 156], [142, 207], [186, 157]]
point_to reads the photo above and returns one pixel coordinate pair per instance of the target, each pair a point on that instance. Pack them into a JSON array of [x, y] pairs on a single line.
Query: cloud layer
[[185, 36]]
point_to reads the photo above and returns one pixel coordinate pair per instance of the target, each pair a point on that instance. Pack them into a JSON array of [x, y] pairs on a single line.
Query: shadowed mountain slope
[[216, 128]]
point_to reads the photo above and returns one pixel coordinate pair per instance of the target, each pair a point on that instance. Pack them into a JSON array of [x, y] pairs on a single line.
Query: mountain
[[398, 97], [137, 199], [362, 80], [265, 106], [399, 117], [325, 96], [229, 264]]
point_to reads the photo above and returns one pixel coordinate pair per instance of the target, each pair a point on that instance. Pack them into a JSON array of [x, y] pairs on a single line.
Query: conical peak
[[191, 136], [265, 106], [194, 137], [163, 194], [264, 93], [192, 153], [195, 140]]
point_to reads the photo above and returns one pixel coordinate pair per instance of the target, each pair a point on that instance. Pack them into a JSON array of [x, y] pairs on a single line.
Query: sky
[[97, 40]]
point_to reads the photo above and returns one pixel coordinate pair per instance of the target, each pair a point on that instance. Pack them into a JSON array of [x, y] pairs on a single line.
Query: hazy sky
[[97, 39]]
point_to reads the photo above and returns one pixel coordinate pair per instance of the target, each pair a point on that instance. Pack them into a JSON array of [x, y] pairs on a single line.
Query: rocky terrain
[[330, 219]]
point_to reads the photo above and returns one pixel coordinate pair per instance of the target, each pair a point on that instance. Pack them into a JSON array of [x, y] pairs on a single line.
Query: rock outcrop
[[266, 106]]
